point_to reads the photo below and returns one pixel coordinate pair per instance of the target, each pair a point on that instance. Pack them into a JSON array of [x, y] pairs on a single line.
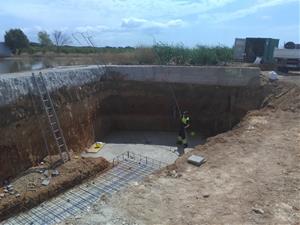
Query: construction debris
[[206, 195], [96, 147], [10, 188], [31, 186], [273, 76], [258, 210], [196, 160], [173, 173], [46, 182], [46, 173], [55, 173]]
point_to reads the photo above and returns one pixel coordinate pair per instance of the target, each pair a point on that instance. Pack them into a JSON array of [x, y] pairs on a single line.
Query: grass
[[199, 55], [163, 54]]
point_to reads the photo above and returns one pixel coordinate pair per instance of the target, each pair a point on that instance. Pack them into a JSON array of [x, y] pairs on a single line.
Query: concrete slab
[[196, 160], [157, 145]]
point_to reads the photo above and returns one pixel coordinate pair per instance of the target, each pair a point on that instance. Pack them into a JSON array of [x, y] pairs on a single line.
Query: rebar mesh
[[128, 167]]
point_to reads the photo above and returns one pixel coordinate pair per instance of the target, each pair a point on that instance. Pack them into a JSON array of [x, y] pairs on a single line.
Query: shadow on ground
[[151, 138]]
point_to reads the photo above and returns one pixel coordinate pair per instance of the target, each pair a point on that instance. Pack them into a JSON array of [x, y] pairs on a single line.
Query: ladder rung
[[57, 137], [56, 130], [61, 145], [52, 123]]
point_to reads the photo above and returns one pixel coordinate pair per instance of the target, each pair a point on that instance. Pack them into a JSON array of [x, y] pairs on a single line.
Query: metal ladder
[[48, 106]]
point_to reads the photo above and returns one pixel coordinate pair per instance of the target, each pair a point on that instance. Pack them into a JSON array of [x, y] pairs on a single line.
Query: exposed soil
[[29, 191], [89, 112], [252, 176]]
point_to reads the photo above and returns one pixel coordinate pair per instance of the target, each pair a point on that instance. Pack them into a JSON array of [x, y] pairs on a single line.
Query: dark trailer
[[260, 47]]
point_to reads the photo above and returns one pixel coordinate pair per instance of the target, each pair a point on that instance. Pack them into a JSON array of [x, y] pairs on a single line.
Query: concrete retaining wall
[[206, 75], [15, 85]]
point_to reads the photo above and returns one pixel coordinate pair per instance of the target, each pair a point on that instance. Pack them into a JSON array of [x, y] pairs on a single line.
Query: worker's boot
[[184, 142], [180, 151]]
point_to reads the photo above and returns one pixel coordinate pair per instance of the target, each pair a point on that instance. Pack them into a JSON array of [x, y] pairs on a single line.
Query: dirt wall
[[89, 111], [151, 106]]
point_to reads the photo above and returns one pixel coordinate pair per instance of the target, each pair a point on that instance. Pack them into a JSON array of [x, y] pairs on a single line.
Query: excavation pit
[[115, 103]]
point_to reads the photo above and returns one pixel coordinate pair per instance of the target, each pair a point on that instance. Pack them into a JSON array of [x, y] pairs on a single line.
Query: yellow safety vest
[[185, 120]]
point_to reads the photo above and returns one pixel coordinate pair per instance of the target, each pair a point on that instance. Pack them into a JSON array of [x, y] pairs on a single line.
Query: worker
[[184, 125]]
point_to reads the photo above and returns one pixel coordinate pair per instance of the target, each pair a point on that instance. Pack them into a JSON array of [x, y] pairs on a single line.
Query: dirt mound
[[29, 191], [284, 96]]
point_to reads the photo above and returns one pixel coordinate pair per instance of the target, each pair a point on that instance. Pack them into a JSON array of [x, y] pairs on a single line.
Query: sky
[[144, 22]]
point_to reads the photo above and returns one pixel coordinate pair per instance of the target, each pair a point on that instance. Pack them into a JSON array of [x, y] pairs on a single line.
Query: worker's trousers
[[182, 137]]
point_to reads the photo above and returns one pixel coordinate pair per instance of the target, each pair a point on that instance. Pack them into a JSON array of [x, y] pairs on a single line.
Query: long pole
[[175, 100]]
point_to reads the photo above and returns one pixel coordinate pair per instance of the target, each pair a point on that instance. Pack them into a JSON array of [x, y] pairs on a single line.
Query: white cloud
[[103, 17], [136, 23], [146, 8], [89, 28], [240, 13], [106, 11]]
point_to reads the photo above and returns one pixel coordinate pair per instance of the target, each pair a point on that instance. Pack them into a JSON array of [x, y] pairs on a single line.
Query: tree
[[60, 39], [16, 40], [44, 39]]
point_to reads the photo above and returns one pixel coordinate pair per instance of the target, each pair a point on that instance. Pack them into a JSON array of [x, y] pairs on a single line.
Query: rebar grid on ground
[[128, 167]]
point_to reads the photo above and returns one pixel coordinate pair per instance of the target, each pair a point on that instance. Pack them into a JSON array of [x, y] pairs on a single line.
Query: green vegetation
[[16, 40], [44, 39], [160, 53], [199, 55]]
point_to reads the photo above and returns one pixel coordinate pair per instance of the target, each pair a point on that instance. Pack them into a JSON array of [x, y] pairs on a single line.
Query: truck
[[287, 58]]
